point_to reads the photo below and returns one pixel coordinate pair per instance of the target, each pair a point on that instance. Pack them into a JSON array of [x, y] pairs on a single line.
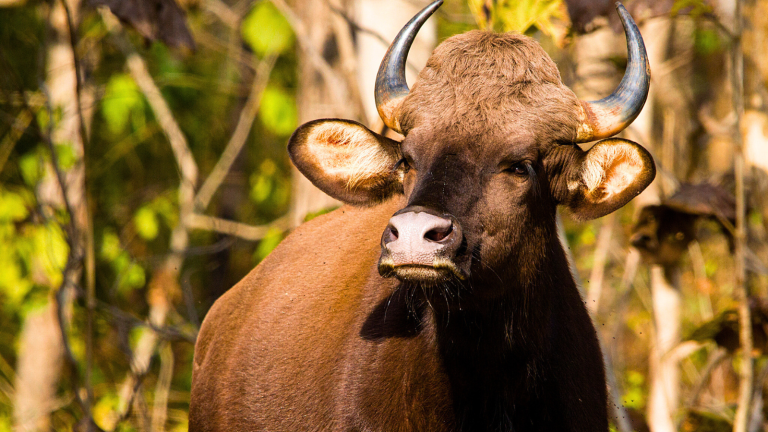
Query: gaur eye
[[403, 165], [520, 169]]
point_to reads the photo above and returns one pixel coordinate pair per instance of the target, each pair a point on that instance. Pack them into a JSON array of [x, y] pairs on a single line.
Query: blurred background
[[143, 172]]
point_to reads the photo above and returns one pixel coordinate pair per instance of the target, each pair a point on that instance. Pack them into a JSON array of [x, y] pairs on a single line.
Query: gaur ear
[[610, 174], [346, 160]]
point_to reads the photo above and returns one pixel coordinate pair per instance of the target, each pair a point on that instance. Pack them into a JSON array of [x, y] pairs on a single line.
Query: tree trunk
[[41, 347], [664, 392], [317, 98]]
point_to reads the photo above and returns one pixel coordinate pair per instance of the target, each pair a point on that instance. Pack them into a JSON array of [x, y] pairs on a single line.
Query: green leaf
[[266, 30], [263, 183], [268, 244], [29, 165], [134, 278], [66, 156], [110, 246], [165, 208], [122, 101], [278, 112], [146, 223], [12, 206], [707, 42], [549, 16]]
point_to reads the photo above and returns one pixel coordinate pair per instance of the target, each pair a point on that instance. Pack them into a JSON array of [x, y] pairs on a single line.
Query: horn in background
[[609, 116], [391, 87]]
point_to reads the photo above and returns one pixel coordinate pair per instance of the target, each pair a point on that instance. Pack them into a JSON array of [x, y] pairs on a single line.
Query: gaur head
[[663, 232], [489, 151]]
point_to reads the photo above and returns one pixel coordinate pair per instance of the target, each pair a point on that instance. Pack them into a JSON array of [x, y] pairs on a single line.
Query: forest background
[[143, 172]]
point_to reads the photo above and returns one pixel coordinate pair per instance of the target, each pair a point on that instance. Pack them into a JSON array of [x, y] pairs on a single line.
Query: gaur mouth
[[441, 270]]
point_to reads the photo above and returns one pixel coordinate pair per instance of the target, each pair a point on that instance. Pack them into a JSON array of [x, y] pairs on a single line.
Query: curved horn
[[391, 87], [609, 116]]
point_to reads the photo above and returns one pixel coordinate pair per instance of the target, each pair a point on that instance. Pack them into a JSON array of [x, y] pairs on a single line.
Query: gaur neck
[[491, 353]]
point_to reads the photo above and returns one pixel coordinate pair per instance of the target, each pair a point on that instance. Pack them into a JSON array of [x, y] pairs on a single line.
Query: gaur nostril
[[438, 234], [392, 234]]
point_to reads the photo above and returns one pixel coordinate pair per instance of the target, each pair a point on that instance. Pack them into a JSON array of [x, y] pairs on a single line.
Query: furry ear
[[346, 160], [611, 173]]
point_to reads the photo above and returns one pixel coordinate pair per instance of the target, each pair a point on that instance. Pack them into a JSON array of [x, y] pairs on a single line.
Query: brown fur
[[478, 81]]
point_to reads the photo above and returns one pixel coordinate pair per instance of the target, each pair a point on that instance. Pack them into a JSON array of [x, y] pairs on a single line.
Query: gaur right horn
[[391, 87], [609, 116]]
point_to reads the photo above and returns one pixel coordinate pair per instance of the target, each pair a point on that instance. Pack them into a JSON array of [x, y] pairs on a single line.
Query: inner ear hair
[[354, 154], [346, 160], [612, 172], [609, 170]]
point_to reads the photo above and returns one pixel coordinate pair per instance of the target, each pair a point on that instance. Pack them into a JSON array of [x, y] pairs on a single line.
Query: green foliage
[[278, 111], [696, 7], [66, 156], [31, 168], [634, 392], [708, 41], [122, 103], [33, 256], [266, 30], [268, 244], [269, 187], [521, 16], [5, 423], [130, 275], [146, 223]]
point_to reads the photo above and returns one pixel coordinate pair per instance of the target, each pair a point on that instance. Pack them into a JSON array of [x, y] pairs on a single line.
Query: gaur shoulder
[[327, 238]]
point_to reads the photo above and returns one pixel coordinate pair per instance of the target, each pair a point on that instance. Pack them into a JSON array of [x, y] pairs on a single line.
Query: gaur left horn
[[609, 116], [391, 87]]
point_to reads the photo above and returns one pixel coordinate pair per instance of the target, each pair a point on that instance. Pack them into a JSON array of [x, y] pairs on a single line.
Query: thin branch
[[177, 140], [746, 372], [714, 360], [241, 230], [169, 270], [12, 137], [242, 131], [78, 71], [162, 388], [223, 12], [167, 333], [90, 256], [72, 267]]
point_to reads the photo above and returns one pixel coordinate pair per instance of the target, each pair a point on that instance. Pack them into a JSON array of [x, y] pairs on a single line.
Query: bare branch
[[714, 360], [247, 232], [162, 388], [242, 130], [168, 271], [12, 137], [223, 12], [746, 372]]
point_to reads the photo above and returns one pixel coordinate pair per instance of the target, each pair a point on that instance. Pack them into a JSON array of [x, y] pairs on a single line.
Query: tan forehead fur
[[480, 80]]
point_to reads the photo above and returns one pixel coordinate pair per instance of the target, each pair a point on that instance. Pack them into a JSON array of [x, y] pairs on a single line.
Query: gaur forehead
[[478, 83], [489, 147]]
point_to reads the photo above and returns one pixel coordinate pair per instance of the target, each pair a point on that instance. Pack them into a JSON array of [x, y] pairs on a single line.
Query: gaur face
[[488, 153], [662, 235]]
